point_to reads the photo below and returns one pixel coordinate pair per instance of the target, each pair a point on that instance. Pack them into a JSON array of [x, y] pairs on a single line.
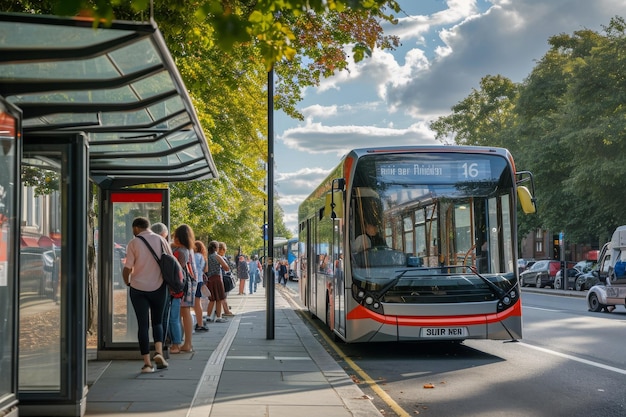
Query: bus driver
[[368, 239]]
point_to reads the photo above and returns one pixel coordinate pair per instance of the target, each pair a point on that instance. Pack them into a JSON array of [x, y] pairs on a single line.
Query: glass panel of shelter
[[8, 159], [40, 272], [124, 320]]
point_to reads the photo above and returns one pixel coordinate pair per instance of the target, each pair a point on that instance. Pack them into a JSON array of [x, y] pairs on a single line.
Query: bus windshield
[[436, 220]]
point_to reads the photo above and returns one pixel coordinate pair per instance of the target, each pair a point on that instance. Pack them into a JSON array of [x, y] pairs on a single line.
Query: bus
[[416, 244], [287, 249]]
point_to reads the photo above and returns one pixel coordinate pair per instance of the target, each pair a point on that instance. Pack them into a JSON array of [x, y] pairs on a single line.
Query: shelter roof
[[118, 84]]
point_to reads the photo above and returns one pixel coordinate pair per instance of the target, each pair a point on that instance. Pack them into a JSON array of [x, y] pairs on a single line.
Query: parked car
[[119, 258], [587, 279], [523, 264], [540, 274], [36, 271], [292, 275], [572, 275], [585, 266]]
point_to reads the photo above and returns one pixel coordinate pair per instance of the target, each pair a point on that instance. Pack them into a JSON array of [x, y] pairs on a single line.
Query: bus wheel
[[594, 303]]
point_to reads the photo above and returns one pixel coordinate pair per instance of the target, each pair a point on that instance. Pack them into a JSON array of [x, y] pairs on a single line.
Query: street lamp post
[[269, 280]]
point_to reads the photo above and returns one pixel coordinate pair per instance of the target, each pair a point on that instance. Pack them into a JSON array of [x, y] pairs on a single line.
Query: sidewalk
[[234, 371]]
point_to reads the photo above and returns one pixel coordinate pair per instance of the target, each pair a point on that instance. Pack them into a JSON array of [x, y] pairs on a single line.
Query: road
[[570, 363]]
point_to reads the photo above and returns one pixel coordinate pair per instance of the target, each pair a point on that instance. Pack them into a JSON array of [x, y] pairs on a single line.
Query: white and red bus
[[415, 243]]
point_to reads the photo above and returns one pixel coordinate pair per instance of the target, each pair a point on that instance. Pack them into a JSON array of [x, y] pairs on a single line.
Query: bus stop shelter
[[81, 108]]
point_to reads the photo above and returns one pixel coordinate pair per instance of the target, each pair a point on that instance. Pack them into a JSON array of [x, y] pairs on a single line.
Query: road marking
[[292, 358], [542, 309], [246, 357], [576, 359], [202, 401]]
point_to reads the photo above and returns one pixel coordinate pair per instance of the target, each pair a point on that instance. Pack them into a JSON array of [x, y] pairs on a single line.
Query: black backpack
[[172, 271]]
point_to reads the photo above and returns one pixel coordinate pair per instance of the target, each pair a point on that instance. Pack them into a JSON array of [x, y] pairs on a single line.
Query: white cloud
[[417, 26], [507, 39], [317, 110], [317, 138], [294, 187]]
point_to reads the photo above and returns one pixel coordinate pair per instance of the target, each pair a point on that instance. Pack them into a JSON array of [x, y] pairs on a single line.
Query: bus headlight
[[367, 299], [509, 299]]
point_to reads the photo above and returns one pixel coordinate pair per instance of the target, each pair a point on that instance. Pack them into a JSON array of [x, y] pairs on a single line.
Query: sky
[[392, 97]]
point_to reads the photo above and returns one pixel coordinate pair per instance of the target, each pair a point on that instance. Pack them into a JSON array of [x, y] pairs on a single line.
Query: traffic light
[[556, 248]]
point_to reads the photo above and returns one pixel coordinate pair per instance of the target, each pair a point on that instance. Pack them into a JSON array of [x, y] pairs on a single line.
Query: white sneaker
[[220, 320]]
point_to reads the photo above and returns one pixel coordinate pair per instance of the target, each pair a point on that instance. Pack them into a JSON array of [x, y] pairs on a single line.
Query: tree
[[302, 40], [594, 126], [537, 145], [270, 24], [570, 119], [481, 117]]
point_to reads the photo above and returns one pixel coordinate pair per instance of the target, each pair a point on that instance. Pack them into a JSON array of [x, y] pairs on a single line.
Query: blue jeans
[[149, 305], [173, 325], [252, 284]]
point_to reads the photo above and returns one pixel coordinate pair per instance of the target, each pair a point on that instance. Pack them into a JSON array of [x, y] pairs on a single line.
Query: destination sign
[[435, 171]]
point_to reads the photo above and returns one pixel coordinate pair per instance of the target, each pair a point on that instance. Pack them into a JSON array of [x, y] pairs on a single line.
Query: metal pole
[[270, 204]]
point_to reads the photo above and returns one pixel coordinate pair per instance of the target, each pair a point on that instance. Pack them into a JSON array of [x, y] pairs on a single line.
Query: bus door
[[333, 223], [339, 278], [305, 268]]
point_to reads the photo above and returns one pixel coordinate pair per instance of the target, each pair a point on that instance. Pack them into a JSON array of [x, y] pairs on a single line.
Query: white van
[[611, 288]]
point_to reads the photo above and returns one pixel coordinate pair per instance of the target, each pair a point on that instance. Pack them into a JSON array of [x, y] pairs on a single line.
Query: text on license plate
[[443, 332]]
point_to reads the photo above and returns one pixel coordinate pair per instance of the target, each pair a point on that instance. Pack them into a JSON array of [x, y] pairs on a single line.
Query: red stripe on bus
[[360, 313]]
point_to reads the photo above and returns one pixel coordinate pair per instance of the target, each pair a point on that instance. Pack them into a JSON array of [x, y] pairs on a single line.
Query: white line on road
[[542, 309], [574, 358]]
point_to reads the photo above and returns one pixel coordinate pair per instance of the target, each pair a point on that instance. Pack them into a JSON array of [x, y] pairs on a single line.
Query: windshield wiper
[[501, 293], [392, 283], [401, 272]]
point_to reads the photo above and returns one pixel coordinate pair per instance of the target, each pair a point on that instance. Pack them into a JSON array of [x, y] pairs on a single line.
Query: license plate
[[443, 332]]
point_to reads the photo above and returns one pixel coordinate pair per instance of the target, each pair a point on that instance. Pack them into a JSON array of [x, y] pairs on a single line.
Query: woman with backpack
[[147, 290]]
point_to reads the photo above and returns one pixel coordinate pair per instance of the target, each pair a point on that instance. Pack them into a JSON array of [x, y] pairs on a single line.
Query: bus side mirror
[[526, 200], [334, 205], [334, 199]]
